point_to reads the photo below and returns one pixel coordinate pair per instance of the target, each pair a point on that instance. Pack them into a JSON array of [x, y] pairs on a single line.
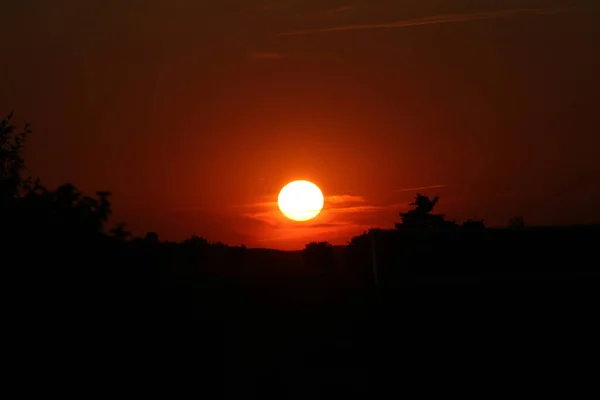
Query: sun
[[300, 200]]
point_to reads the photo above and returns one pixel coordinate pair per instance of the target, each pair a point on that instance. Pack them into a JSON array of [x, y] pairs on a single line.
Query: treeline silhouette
[[326, 321]]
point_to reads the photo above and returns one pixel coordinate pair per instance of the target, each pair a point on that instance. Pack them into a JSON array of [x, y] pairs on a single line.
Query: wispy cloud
[[344, 199], [335, 201], [348, 209], [421, 188], [439, 19], [258, 55], [335, 12], [342, 9], [269, 213], [343, 216]]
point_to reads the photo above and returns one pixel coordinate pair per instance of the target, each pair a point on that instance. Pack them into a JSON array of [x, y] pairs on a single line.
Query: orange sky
[[195, 113]]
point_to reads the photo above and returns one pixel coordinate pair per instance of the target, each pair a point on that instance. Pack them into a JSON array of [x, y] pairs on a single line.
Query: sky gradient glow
[[196, 113]]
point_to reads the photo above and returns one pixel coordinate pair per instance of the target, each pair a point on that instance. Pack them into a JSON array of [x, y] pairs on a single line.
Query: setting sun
[[300, 200]]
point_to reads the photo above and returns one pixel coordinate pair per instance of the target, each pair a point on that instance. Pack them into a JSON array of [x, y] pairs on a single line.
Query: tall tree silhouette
[[12, 164], [27, 206], [421, 216]]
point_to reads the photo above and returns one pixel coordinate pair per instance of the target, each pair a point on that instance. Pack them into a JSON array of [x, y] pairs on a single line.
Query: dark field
[[493, 307]]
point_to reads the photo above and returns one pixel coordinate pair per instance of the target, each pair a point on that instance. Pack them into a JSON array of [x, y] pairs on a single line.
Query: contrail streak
[[440, 19], [421, 188]]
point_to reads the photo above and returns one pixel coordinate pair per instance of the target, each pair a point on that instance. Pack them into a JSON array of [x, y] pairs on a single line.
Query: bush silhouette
[[517, 222]]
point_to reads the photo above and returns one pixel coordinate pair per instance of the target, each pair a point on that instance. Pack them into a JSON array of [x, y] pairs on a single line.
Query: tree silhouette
[[151, 237], [517, 222], [359, 252], [423, 204], [195, 242], [26, 205], [421, 217], [473, 224], [12, 164], [319, 254], [120, 233]]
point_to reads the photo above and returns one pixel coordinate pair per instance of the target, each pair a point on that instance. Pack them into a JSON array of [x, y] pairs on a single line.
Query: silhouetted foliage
[[319, 254], [120, 232], [195, 241], [473, 224], [12, 164], [517, 222], [28, 206], [11, 147], [151, 237], [359, 257], [421, 217]]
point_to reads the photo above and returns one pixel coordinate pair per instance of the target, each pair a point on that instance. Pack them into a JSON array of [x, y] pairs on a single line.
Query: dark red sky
[[195, 113]]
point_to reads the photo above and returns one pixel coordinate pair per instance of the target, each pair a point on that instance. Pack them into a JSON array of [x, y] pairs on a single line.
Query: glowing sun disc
[[300, 200]]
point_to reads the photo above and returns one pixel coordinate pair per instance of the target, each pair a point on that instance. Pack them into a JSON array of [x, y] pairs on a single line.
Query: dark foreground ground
[[451, 338], [94, 328], [496, 336]]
